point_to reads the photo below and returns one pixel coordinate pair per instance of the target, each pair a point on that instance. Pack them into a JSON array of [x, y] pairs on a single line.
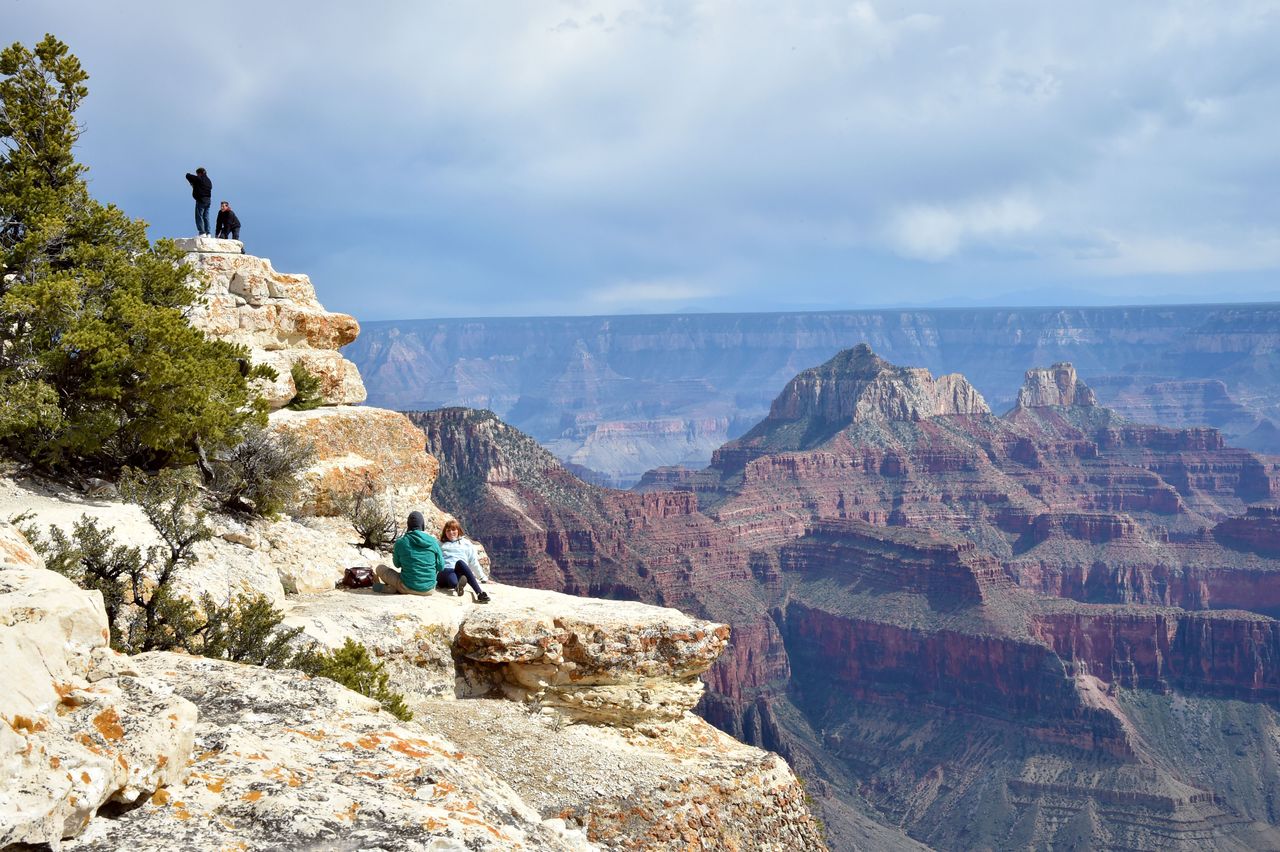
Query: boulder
[[361, 449], [75, 732]]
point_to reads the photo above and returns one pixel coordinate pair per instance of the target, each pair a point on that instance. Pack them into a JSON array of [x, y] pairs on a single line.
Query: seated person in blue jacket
[[461, 561], [417, 555]]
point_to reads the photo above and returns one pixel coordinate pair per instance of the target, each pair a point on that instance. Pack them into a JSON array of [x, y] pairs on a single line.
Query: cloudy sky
[[423, 159]]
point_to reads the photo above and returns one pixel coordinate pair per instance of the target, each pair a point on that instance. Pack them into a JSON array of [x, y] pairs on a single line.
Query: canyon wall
[[620, 395]]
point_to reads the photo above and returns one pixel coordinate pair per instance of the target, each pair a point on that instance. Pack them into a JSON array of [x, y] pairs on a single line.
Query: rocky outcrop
[[1057, 385], [277, 316], [858, 385], [79, 726], [362, 449], [599, 749]]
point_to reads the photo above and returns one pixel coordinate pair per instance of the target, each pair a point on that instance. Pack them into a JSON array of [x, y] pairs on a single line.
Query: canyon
[[615, 396], [1054, 627]]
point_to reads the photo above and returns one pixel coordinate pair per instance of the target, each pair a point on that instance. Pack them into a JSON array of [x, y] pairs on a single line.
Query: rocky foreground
[[541, 721]]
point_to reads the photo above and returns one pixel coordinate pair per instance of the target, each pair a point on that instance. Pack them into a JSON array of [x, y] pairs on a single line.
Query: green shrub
[[99, 367], [262, 474], [306, 389], [353, 667]]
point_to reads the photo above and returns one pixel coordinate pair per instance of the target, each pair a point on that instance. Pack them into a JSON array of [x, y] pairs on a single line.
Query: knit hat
[[416, 521]]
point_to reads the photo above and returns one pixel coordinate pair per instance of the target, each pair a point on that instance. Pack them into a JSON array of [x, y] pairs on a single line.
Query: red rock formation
[[985, 577]]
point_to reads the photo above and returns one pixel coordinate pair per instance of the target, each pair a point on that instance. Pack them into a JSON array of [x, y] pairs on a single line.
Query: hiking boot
[[461, 588], [483, 597]]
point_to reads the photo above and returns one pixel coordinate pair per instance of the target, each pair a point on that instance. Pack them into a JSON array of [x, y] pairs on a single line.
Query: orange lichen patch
[[160, 798], [120, 760], [482, 824], [204, 755], [108, 724], [55, 761], [162, 761], [350, 813], [351, 746], [311, 735], [407, 748], [25, 723], [180, 812], [84, 776], [252, 796], [369, 741], [216, 786], [288, 776]]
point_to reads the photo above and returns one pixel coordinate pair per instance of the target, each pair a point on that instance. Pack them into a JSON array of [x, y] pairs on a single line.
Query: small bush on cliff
[[372, 519], [306, 389], [143, 612], [262, 475], [99, 368], [354, 667]]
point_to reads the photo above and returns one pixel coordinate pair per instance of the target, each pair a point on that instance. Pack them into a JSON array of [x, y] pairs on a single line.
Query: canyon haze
[[613, 397]]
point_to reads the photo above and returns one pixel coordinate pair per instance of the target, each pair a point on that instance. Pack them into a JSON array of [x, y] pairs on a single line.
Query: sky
[[445, 159]]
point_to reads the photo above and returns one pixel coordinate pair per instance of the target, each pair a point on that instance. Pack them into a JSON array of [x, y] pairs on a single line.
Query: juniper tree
[[99, 367]]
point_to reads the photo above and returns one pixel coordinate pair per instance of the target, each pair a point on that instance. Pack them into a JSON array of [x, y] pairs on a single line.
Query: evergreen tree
[[99, 367]]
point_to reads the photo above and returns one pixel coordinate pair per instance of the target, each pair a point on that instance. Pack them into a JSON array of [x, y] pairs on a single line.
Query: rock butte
[[542, 721]]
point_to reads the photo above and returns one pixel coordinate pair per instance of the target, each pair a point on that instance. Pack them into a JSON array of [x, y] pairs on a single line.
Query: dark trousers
[[202, 218], [448, 578], [229, 234]]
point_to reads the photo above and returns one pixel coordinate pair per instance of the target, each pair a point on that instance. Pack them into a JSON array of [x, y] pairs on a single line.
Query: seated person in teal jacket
[[417, 555]]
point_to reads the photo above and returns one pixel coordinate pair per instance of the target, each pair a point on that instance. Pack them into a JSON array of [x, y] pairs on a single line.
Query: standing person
[[461, 561], [417, 555], [202, 192], [228, 224]]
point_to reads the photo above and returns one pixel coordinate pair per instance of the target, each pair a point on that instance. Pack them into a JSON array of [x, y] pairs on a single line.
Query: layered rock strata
[[976, 627], [281, 321]]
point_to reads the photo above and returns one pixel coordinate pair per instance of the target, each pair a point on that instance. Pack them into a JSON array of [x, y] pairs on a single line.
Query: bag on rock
[[357, 577]]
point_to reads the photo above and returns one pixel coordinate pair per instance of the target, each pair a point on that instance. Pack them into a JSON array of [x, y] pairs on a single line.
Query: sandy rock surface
[[283, 761]]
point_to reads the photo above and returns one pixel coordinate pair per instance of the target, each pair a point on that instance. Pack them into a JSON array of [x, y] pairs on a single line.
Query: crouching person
[[461, 562], [417, 555]]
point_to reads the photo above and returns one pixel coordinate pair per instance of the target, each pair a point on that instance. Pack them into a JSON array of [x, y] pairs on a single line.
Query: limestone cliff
[[279, 318], [542, 721]]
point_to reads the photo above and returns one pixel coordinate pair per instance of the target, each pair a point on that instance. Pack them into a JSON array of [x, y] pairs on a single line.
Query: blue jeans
[[202, 218], [448, 578]]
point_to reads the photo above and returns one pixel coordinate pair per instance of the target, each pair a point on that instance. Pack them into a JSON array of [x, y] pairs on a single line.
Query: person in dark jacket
[[417, 555], [228, 224], [202, 192]]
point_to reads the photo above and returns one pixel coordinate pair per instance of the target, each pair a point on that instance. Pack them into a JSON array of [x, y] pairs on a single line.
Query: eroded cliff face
[[574, 383], [278, 317], [964, 624]]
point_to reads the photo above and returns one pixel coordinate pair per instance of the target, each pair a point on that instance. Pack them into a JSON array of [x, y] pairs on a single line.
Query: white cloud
[[662, 290], [535, 147], [935, 232]]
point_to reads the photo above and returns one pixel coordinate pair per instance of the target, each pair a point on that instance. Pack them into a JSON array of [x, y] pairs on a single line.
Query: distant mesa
[[857, 385], [1056, 386]]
